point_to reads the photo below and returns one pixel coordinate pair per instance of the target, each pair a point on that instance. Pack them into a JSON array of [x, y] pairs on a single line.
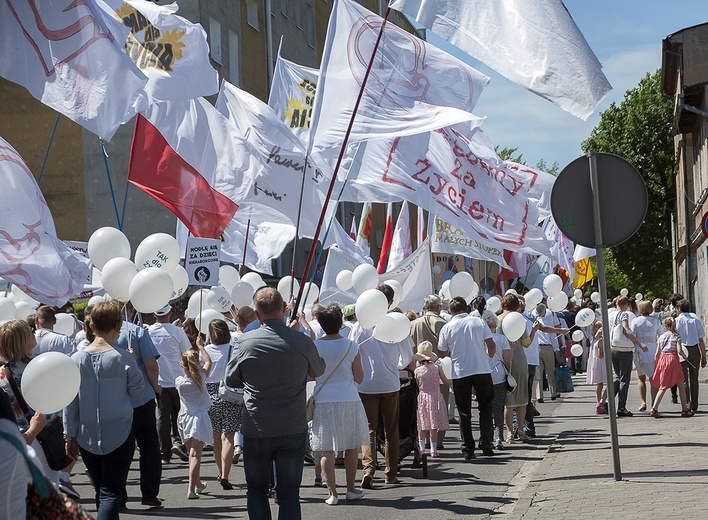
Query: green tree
[[639, 129]]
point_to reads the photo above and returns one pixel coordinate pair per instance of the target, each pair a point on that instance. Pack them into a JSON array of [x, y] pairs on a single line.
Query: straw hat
[[425, 352]]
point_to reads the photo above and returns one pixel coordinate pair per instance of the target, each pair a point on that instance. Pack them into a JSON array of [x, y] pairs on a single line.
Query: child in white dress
[[597, 374], [193, 420]]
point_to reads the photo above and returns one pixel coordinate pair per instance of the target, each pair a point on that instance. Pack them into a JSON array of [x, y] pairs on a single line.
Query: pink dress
[[668, 370], [432, 412], [596, 365]]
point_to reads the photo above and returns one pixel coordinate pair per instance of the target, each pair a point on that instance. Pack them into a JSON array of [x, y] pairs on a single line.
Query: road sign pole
[[600, 248]]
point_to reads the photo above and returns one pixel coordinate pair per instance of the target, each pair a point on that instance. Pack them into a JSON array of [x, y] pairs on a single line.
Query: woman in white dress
[[339, 422]]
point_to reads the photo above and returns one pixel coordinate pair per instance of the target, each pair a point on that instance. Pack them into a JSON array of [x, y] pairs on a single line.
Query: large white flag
[[346, 243], [444, 172], [563, 248], [583, 252], [446, 238], [413, 86], [67, 54], [292, 95], [537, 45], [402, 244], [170, 50], [31, 255]]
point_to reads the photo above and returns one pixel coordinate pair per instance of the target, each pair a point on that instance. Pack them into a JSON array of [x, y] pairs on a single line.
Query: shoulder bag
[[617, 337], [510, 380], [228, 394], [310, 405], [51, 438]]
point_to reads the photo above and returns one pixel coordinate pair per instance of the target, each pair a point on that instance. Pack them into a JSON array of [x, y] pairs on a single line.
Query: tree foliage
[[640, 130], [511, 154]]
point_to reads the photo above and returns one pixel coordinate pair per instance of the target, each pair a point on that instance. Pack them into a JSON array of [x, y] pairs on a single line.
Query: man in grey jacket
[[272, 364]]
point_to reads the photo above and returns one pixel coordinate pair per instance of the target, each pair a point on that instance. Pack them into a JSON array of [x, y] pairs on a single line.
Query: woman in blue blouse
[[98, 423]]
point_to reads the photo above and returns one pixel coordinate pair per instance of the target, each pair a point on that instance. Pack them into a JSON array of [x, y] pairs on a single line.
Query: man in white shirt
[[314, 324], [691, 332], [549, 349], [170, 341], [468, 341], [47, 339], [379, 394]]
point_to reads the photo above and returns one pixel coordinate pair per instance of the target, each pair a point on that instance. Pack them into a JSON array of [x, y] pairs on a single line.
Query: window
[[252, 13], [234, 59], [215, 40]]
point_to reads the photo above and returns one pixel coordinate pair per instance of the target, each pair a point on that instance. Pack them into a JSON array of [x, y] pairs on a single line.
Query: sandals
[[623, 412], [643, 408], [655, 413], [687, 413]]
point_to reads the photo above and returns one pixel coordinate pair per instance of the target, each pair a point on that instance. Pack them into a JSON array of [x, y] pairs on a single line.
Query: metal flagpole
[[110, 184], [49, 146], [245, 246], [311, 254]]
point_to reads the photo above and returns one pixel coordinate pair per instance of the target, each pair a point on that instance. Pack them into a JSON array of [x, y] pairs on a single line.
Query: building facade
[[685, 79]]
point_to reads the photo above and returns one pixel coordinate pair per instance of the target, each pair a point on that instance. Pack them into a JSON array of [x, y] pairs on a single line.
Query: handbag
[[51, 437], [228, 394], [617, 337], [44, 500], [564, 382], [510, 380], [310, 404]]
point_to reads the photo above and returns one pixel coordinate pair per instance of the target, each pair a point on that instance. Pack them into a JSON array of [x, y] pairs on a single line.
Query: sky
[[626, 37]]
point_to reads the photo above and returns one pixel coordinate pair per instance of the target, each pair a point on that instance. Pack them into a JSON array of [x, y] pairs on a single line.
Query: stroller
[[407, 425]]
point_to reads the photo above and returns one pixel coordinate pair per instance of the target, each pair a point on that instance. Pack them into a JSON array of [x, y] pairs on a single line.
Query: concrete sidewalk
[[664, 464]]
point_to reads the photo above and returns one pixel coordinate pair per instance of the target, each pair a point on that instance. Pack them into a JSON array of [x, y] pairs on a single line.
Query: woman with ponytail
[[193, 419]]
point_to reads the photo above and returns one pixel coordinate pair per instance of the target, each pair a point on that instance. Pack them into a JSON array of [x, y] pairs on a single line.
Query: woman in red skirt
[[668, 367]]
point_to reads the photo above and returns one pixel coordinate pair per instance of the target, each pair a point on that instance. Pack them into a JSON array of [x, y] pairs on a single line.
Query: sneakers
[[332, 501], [200, 489], [499, 445], [355, 495], [179, 451], [320, 482], [366, 481], [68, 489], [192, 495], [434, 454]]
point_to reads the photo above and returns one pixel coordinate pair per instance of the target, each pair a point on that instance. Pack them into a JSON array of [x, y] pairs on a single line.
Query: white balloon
[[344, 280], [578, 336], [552, 284], [205, 318], [364, 278], [219, 299], [510, 291], [576, 350], [150, 290], [310, 292], [393, 328], [22, 310], [50, 382], [578, 294], [106, 244], [228, 277], [558, 302], [624, 292], [638, 297], [7, 309], [493, 303], [95, 300], [397, 292], [533, 298], [371, 307], [445, 290], [595, 297], [242, 294], [461, 284], [158, 250], [436, 270], [197, 303], [180, 281], [584, 317], [116, 276], [65, 324], [254, 279], [284, 287], [513, 326], [22, 296], [446, 363]]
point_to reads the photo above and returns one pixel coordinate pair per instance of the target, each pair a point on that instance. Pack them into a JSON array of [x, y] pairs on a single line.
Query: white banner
[[292, 95], [170, 50], [413, 86], [31, 255], [562, 248], [67, 54], [402, 244], [414, 274], [534, 44], [446, 238], [202, 264]]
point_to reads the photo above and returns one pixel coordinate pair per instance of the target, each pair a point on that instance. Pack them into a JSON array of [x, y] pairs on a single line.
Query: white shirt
[[647, 330], [381, 362], [464, 338], [340, 387], [170, 341], [498, 372], [548, 338], [689, 328], [14, 473], [219, 355], [532, 351], [51, 341], [317, 329]]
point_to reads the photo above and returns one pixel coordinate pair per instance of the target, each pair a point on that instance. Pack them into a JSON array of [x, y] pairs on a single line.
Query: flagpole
[[49, 146], [310, 256], [297, 227], [245, 246], [110, 184]]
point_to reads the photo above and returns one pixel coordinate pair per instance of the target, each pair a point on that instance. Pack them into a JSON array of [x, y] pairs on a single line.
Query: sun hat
[[425, 352], [349, 310]]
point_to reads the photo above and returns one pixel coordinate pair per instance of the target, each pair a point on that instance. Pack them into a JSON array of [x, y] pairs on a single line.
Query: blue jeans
[[288, 454], [109, 473]]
